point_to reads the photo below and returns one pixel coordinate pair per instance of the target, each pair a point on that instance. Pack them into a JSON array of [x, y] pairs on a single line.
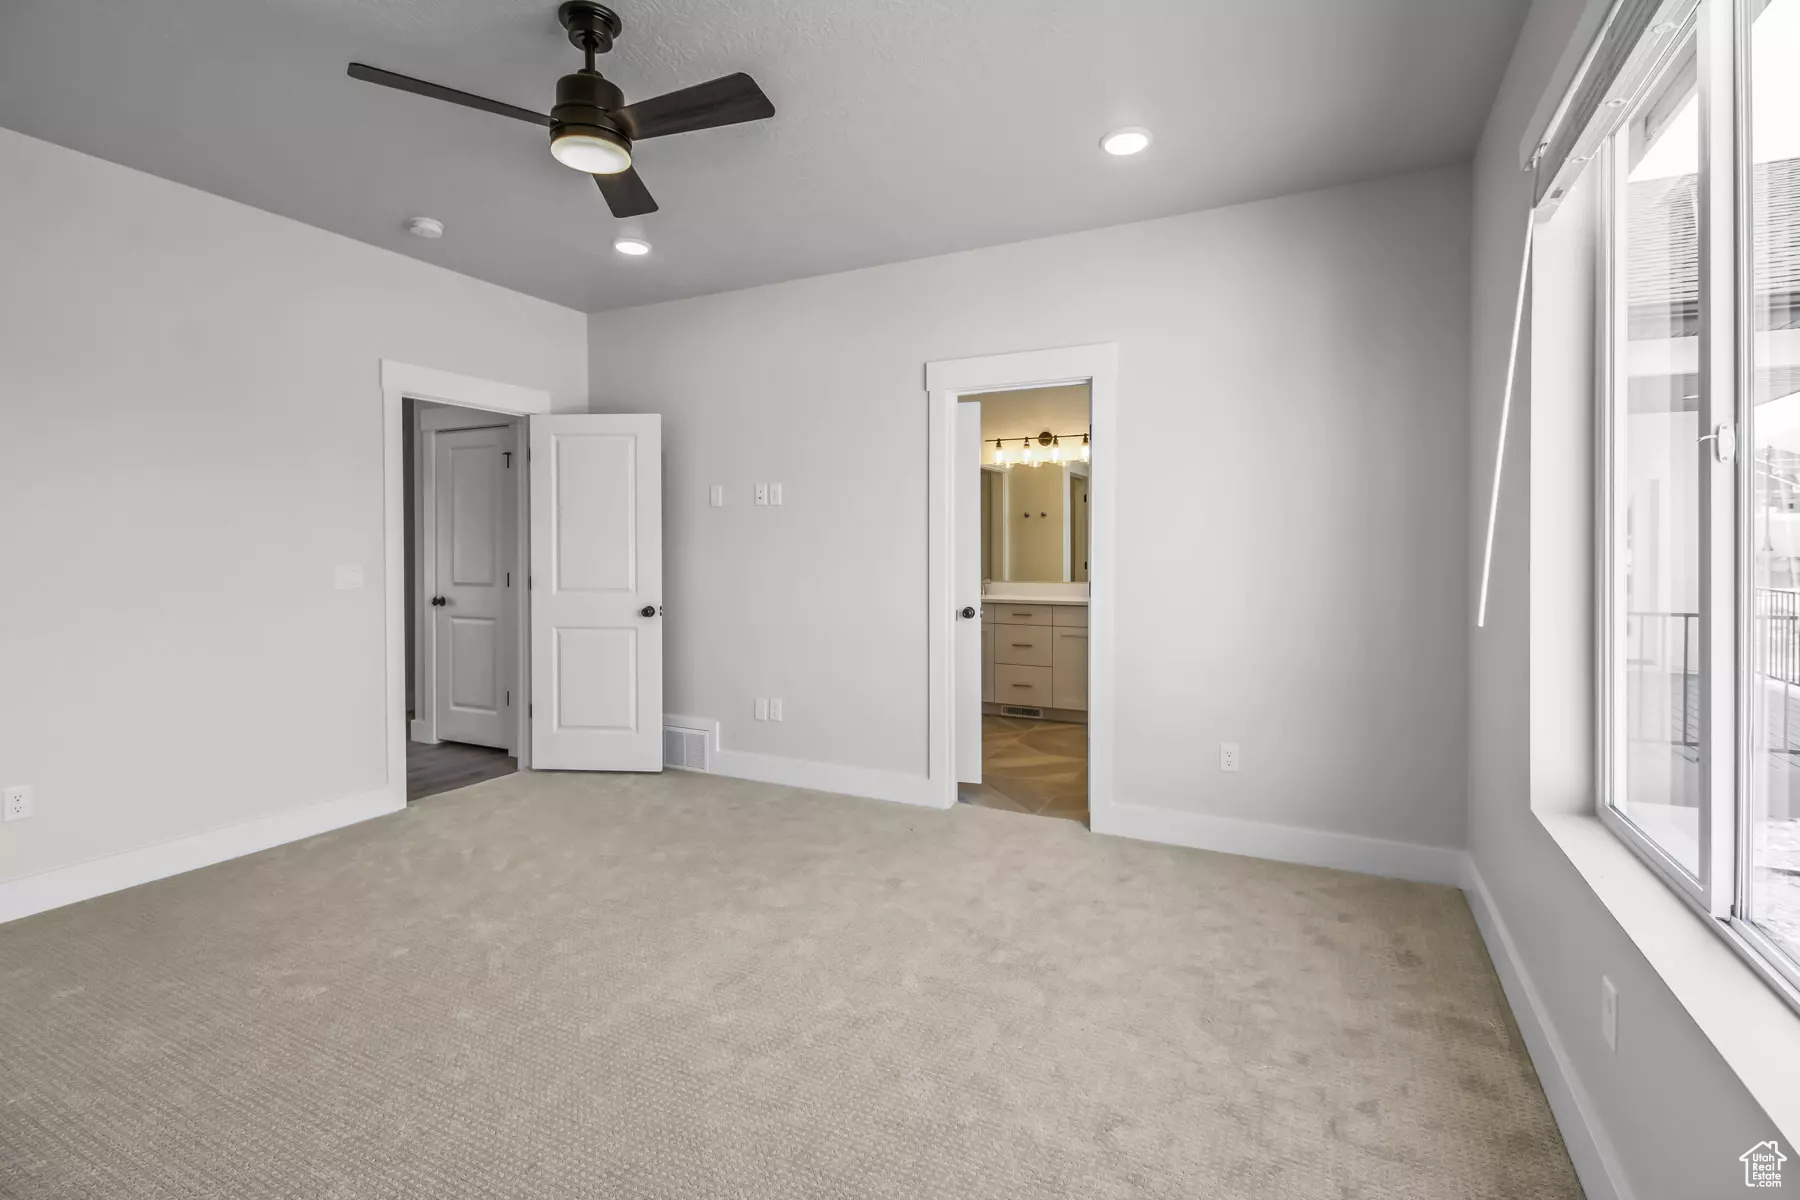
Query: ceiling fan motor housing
[[585, 102]]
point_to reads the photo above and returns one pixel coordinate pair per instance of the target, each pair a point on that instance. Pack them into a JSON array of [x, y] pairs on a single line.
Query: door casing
[[398, 382], [945, 382]]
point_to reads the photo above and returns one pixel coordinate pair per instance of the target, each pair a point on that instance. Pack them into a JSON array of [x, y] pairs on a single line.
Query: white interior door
[[596, 592], [468, 598], [965, 589]]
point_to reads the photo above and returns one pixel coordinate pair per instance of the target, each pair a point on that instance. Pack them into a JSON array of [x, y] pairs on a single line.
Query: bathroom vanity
[[1034, 655]]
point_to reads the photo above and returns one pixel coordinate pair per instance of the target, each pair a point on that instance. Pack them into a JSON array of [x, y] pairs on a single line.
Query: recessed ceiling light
[[1125, 141], [425, 227], [632, 246]]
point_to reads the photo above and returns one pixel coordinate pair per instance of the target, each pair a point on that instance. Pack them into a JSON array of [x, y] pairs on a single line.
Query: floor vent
[[684, 748], [1019, 710]]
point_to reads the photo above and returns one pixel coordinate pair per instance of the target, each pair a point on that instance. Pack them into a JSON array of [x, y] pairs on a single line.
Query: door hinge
[[507, 455], [509, 579], [530, 709], [509, 697]]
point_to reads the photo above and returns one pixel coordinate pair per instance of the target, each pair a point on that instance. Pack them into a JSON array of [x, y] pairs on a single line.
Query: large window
[[1771, 379], [1697, 155]]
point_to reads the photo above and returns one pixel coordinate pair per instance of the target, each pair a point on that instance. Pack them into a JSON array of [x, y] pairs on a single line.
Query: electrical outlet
[[1609, 1014], [775, 708], [717, 496], [762, 493], [349, 578], [15, 803], [762, 708], [775, 498], [1228, 756]]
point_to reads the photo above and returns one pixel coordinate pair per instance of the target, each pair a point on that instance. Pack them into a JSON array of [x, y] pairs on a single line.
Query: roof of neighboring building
[[1663, 220]]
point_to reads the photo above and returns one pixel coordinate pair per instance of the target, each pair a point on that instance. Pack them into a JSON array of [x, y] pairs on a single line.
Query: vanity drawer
[[1022, 645], [1017, 614], [1022, 685], [1069, 616]]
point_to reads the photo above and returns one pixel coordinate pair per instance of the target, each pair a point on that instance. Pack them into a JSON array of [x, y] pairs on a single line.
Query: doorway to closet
[[465, 589]]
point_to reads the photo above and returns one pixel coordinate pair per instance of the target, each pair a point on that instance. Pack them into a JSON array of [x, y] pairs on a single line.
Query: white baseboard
[[1283, 843], [869, 782], [826, 777], [97, 877], [1597, 1164], [419, 731]]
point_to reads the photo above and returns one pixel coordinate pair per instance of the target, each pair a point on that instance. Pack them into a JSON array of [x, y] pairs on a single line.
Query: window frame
[[1720, 890], [1781, 965], [1703, 887]]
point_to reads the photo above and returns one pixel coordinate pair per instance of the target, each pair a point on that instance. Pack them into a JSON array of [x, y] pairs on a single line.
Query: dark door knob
[[968, 614], [649, 610], [438, 602]]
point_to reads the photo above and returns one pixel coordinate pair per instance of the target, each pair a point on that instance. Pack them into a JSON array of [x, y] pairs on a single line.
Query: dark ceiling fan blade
[[419, 87], [728, 100], [626, 194]]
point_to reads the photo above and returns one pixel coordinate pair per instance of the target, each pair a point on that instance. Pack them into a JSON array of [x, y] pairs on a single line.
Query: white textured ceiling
[[903, 129]]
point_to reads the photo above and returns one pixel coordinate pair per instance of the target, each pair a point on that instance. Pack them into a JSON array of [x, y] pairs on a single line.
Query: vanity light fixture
[[1046, 447]]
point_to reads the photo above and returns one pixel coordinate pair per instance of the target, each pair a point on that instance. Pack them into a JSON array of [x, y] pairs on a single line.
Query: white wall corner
[[116, 872], [1285, 843], [1597, 1164]]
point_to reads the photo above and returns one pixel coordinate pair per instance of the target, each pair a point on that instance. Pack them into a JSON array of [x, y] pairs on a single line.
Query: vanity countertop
[[1002, 598]]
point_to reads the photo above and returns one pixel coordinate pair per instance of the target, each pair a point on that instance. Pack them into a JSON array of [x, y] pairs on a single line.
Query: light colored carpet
[[690, 987]]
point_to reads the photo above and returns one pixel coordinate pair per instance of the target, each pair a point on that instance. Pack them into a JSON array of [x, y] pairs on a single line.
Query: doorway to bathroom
[[1033, 456]]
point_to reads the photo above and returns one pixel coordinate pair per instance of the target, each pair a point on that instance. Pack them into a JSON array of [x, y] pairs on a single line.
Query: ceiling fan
[[591, 127]]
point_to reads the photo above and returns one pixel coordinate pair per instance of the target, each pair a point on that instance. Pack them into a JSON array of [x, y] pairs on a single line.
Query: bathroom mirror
[[1036, 447]]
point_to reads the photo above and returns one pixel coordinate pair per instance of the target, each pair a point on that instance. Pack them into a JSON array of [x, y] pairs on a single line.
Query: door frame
[[399, 381], [946, 382], [514, 618]]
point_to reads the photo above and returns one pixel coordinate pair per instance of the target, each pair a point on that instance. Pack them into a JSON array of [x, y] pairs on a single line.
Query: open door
[[596, 592], [965, 588], [471, 568]]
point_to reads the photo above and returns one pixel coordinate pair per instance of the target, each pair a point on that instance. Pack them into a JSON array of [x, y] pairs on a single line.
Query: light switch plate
[[350, 577], [775, 498], [762, 708], [718, 496]]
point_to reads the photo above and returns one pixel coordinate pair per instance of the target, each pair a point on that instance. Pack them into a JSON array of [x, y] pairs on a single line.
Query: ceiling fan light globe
[[594, 151]]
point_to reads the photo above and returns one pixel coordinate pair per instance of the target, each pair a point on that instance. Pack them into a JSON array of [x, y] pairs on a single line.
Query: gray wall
[[1675, 1113], [1291, 527], [190, 443]]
